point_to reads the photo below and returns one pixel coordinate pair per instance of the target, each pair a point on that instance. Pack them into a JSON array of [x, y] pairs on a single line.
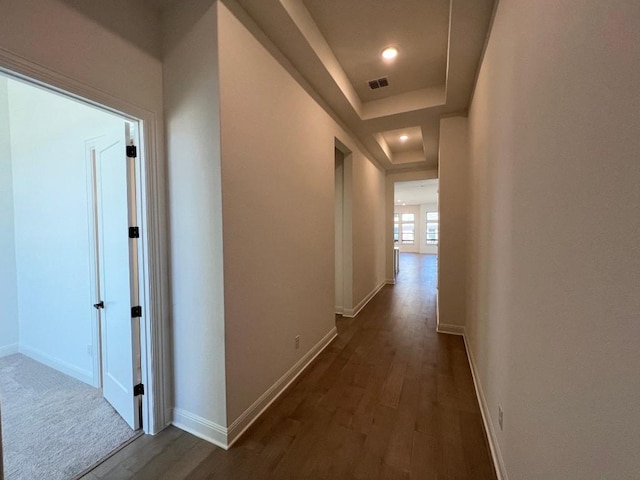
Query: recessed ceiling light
[[390, 53], [404, 138]]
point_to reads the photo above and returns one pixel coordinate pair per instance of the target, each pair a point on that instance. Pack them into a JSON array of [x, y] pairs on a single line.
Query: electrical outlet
[[500, 415], [297, 341]]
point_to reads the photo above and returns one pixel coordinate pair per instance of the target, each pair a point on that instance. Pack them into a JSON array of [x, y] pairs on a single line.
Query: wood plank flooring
[[389, 399]]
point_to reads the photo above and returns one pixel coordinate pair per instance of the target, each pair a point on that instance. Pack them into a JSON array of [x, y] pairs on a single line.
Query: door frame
[[152, 247], [345, 243], [393, 177]]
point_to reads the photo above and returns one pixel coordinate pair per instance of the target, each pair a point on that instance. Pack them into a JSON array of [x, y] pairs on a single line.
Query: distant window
[[396, 227], [433, 231], [404, 228], [408, 233]]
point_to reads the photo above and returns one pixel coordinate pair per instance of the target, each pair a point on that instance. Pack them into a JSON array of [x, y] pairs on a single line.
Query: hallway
[[389, 399]]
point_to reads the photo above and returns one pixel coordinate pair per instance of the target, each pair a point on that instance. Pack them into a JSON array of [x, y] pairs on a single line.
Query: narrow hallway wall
[[453, 203], [278, 181], [192, 110], [554, 312]]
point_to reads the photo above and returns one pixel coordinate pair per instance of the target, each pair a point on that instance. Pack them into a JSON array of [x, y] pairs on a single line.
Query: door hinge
[[138, 390], [136, 312], [134, 232], [132, 151]]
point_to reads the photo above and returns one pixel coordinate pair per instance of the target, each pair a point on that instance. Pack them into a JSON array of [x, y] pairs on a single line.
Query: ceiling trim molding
[[308, 28], [484, 49]]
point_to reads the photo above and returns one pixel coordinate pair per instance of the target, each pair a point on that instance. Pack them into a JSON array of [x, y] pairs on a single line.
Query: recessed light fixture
[[404, 138], [390, 53]]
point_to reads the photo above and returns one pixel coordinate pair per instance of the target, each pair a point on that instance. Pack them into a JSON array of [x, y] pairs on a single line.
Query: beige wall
[[82, 44], [278, 213], [368, 211], [278, 197], [454, 181], [554, 306], [195, 206]]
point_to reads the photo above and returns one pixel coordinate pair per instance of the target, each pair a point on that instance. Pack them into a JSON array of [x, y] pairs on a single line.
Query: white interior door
[[117, 274]]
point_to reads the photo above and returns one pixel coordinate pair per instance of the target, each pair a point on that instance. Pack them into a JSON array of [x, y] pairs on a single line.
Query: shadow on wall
[[122, 18]]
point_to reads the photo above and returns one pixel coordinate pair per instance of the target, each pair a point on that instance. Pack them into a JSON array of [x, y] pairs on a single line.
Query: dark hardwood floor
[[389, 399]]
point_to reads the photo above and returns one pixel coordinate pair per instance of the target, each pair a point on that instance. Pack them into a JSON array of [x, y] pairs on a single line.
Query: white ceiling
[[333, 46], [361, 30], [413, 141], [416, 192]]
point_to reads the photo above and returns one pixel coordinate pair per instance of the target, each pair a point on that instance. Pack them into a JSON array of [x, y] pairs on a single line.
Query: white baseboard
[[9, 349], [168, 416], [339, 310], [390, 281], [450, 329], [200, 427], [225, 437], [496, 455], [352, 312], [251, 414], [63, 366]]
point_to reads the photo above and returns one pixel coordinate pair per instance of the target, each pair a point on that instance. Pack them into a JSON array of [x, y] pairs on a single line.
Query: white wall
[[53, 225], [8, 280], [193, 147], [554, 311], [278, 195], [417, 243], [453, 185], [425, 247]]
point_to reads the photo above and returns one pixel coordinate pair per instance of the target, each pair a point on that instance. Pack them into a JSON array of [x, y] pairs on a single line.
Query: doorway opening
[[71, 360], [415, 220], [343, 231]]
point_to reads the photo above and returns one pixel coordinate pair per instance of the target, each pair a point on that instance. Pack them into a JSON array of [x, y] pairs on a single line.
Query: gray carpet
[[53, 426]]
